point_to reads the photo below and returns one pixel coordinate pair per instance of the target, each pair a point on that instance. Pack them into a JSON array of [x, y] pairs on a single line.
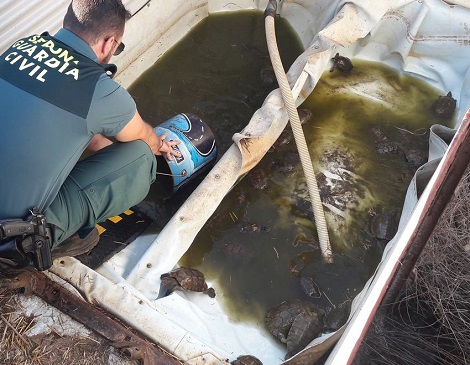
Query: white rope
[[289, 103]]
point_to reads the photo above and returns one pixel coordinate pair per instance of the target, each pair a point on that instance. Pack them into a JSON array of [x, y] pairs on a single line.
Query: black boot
[[75, 246]]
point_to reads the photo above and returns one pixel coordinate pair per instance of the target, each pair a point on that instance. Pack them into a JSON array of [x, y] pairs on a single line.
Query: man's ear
[[103, 47], [108, 44]]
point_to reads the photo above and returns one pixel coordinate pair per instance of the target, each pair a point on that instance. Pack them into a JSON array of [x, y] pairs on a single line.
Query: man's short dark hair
[[93, 20]]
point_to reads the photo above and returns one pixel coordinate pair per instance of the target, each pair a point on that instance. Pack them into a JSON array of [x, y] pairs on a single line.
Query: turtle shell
[[384, 226], [387, 148], [259, 179], [310, 287], [190, 279], [415, 158], [338, 316], [246, 360], [306, 326], [305, 115], [279, 319]]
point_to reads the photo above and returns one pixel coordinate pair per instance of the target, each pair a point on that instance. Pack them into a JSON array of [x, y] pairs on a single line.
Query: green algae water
[[219, 71], [367, 136]]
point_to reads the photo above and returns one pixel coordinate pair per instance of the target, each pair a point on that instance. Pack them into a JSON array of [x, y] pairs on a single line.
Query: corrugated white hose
[[289, 103]]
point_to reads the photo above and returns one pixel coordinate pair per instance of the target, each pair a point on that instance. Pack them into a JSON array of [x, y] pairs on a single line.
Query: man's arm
[[98, 142], [137, 128]]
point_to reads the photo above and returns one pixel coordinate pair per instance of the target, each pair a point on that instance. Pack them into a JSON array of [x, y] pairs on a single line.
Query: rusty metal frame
[[454, 164], [119, 336]]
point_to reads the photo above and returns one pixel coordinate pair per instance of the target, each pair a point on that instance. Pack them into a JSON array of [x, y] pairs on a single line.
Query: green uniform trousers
[[101, 186]]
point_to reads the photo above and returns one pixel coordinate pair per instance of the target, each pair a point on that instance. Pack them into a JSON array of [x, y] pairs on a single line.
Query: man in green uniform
[[57, 100]]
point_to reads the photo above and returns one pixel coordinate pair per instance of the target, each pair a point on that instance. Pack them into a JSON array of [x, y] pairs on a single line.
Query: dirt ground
[[63, 342]]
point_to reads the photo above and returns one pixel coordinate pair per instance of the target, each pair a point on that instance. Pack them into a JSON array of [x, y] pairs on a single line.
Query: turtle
[[286, 167], [267, 75], [378, 133], [342, 63], [284, 163], [444, 106], [299, 262], [415, 158], [338, 316], [259, 179], [387, 148], [287, 135], [310, 287], [236, 251], [184, 278], [307, 325], [240, 197], [304, 258], [246, 360], [249, 227], [295, 322], [384, 225], [305, 115]]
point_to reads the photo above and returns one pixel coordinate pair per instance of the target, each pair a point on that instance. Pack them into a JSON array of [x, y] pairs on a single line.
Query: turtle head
[[167, 286], [210, 292]]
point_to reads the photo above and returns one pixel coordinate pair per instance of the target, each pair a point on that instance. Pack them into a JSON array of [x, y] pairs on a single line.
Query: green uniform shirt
[[54, 98]]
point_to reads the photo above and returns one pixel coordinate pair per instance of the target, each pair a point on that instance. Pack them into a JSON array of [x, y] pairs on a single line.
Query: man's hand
[[166, 148]]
